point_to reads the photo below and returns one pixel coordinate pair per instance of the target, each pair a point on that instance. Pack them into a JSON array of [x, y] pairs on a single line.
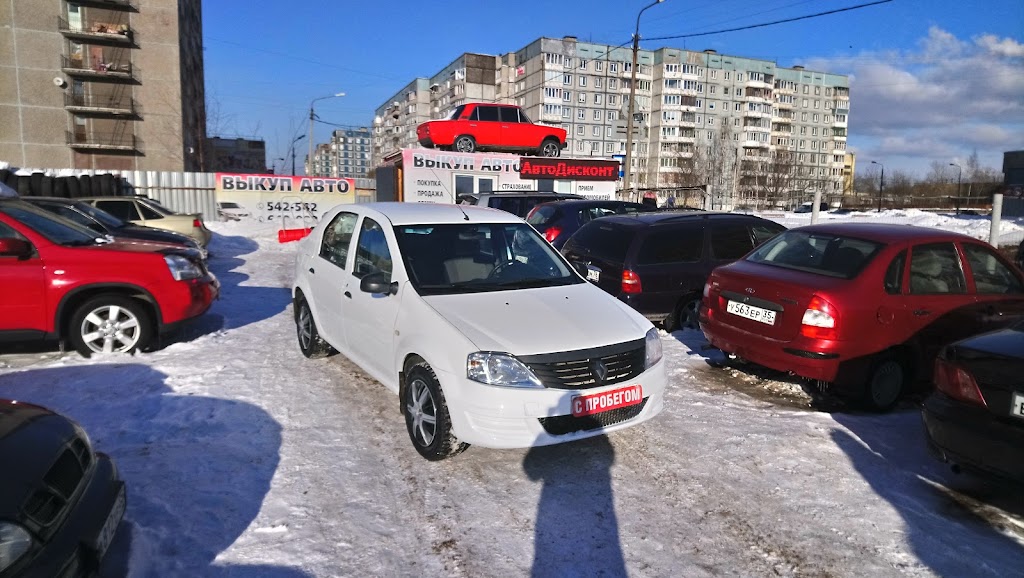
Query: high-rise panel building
[[743, 131], [347, 155], [102, 84]]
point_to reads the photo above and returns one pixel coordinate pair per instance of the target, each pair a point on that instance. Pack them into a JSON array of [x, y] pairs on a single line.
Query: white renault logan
[[485, 333]]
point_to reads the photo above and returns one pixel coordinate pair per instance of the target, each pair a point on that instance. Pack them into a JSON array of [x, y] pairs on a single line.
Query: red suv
[[861, 309], [495, 127], [63, 281]]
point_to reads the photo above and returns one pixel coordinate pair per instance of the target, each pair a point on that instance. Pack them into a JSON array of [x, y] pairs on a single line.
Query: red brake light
[[631, 282], [957, 382], [552, 233], [820, 321], [196, 223]]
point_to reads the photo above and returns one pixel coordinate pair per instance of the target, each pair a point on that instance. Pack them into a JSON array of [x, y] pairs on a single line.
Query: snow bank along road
[[244, 458]]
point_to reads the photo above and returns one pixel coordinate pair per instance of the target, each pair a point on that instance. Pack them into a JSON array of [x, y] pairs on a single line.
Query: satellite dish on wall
[[60, 82]]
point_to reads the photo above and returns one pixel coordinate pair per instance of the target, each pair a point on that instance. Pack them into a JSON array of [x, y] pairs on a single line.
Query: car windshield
[[56, 229], [479, 257], [105, 218], [456, 113], [821, 253]]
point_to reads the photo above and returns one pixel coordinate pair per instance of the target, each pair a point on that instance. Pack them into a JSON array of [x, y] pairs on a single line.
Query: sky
[[243, 458], [930, 80]]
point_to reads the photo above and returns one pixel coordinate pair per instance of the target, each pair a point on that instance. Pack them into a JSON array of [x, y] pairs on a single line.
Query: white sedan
[[485, 332]]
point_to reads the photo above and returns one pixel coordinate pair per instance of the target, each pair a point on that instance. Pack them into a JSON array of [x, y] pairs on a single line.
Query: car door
[[485, 125], [998, 288], [937, 308], [513, 132], [671, 264], [24, 306], [329, 278], [369, 318]]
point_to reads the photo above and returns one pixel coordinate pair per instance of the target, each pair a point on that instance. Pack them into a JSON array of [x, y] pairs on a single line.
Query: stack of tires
[[42, 185]]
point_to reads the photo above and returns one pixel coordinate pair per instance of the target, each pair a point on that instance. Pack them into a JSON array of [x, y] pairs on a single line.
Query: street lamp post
[[629, 108], [297, 139], [881, 184], [959, 173], [312, 116]]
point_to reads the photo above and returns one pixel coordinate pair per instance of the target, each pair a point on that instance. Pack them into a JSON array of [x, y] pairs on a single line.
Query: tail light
[[631, 282], [552, 233], [820, 321], [957, 383], [196, 223]]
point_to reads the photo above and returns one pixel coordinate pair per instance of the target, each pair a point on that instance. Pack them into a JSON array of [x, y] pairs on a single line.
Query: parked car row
[[97, 292]]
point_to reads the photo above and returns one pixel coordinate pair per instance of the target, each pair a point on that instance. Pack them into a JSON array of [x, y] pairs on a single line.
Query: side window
[[508, 204], [764, 231], [935, 269], [149, 214], [596, 213], [337, 237], [676, 245], [990, 274], [372, 253], [124, 210], [509, 114], [730, 241], [489, 113], [6, 232], [894, 274]]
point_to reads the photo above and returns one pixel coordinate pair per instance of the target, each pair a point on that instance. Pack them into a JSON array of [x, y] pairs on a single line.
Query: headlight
[[14, 542], [181, 268], [499, 369], [653, 346]]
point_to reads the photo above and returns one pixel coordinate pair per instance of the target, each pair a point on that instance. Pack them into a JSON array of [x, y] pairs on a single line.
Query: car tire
[[424, 401], [549, 148], [310, 343], [686, 314], [464, 144], [885, 383], [110, 324]]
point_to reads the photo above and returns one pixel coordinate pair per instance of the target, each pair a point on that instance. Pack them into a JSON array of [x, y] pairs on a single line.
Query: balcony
[[782, 104], [126, 5], [103, 71], [756, 144], [757, 114], [104, 141], [99, 105], [98, 32]]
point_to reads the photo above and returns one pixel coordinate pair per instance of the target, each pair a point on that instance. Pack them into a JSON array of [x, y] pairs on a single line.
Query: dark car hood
[[31, 439], [151, 234]]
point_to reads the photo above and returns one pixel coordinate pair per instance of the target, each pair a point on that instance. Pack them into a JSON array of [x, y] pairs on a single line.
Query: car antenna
[[459, 205]]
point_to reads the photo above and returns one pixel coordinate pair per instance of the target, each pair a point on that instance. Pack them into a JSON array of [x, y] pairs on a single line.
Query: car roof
[[672, 216], [584, 202], [437, 213], [884, 232], [57, 200]]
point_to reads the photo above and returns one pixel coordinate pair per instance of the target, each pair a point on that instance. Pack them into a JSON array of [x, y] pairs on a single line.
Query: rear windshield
[[821, 253], [603, 241], [542, 215]]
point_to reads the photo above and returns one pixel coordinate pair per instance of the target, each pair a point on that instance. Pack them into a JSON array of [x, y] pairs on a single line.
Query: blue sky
[[931, 80]]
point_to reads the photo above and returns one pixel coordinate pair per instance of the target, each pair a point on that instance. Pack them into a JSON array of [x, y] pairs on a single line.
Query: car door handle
[[311, 270], [347, 294], [922, 312], [472, 124]]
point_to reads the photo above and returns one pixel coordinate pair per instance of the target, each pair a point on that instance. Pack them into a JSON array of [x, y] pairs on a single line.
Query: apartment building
[[102, 84], [746, 131], [346, 155], [236, 155]]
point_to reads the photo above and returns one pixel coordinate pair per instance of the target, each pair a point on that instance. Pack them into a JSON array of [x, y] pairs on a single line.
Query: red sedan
[[495, 127], [860, 309]]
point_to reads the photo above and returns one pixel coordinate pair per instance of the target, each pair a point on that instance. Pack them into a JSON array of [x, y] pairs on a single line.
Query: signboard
[[280, 198], [570, 169], [435, 176]]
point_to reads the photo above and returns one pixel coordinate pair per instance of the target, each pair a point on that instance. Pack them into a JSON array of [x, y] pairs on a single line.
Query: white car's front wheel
[[310, 343], [426, 416]]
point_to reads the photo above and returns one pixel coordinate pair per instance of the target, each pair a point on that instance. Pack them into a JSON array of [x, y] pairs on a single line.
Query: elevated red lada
[[63, 281], [492, 127]]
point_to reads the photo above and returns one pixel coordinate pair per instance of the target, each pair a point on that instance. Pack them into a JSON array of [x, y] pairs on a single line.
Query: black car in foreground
[[106, 224], [975, 417], [60, 502], [558, 220], [658, 262]]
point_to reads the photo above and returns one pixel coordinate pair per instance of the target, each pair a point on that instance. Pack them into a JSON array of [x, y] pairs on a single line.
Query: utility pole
[[312, 117], [881, 184], [631, 105]]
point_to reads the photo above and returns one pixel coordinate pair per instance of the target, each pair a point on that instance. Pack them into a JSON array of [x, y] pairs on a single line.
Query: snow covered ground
[[243, 458]]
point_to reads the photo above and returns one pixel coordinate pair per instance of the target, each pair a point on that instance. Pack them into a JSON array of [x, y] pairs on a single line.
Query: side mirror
[[378, 283], [11, 247]]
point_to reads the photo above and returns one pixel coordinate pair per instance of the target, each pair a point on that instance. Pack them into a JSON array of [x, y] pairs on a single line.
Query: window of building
[[672, 83], [581, 113], [598, 98], [583, 80], [596, 130], [613, 99], [613, 83], [566, 79], [598, 65], [817, 90], [714, 74], [567, 95], [598, 82], [583, 64], [566, 112], [613, 67], [711, 105], [597, 115]]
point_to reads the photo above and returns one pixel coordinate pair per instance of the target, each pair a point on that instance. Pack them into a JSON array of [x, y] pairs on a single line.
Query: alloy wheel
[[305, 327], [111, 329], [423, 411]]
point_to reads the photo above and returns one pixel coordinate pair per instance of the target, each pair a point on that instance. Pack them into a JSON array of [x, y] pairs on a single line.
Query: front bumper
[[187, 299], [71, 551], [971, 437], [505, 417]]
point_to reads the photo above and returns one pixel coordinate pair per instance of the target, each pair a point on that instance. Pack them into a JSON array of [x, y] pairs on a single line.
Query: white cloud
[[943, 99]]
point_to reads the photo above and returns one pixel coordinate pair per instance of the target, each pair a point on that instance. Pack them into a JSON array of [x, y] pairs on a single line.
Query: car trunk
[[599, 255], [785, 292], [996, 361]]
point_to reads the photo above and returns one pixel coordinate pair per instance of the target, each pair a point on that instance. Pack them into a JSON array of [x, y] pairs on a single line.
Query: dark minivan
[[558, 220], [658, 262]]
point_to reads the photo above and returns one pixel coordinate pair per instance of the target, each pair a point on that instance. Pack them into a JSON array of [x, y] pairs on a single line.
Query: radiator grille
[[581, 369], [565, 424]]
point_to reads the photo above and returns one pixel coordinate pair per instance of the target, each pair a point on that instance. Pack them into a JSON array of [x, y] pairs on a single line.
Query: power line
[[805, 17]]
